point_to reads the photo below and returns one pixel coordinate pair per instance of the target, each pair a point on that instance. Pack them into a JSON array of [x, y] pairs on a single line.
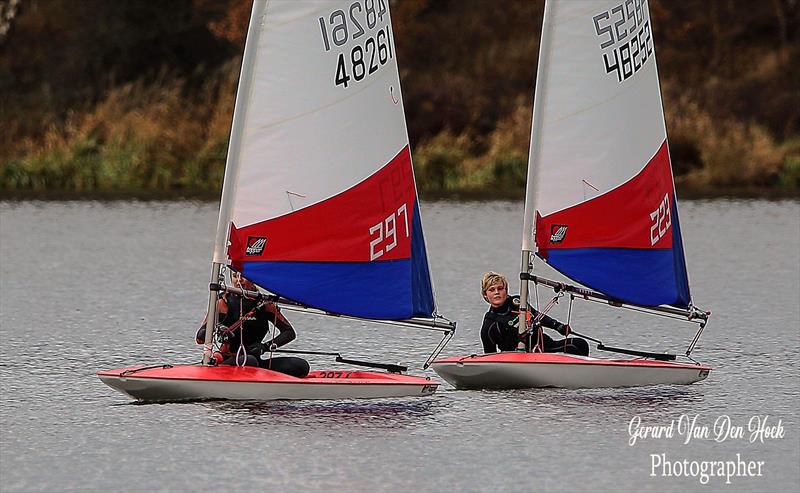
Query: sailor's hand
[[200, 337], [264, 347], [564, 329]]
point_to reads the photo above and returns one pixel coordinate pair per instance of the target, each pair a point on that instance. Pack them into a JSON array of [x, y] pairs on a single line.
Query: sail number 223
[[383, 236], [661, 221]]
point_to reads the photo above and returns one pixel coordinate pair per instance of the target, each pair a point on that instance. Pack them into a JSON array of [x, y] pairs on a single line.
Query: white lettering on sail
[[373, 253], [386, 232], [662, 220]]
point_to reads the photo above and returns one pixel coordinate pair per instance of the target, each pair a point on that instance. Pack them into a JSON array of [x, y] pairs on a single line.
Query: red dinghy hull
[[518, 370], [197, 382]]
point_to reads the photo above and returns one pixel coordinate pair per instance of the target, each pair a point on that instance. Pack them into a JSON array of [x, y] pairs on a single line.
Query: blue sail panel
[[422, 290], [617, 272], [376, 290]]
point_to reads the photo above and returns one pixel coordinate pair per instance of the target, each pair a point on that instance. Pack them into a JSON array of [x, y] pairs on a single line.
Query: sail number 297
[[661, 221], [383, 236]]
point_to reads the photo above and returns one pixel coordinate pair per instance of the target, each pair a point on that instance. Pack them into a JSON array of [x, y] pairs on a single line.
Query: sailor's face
[[242, 282], [496, 294]]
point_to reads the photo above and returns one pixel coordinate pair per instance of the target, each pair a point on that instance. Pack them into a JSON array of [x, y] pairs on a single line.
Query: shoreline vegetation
[[473, 195], [98, 128]]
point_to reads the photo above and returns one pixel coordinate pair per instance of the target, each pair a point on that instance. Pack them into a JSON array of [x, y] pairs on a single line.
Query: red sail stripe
[[352, 226], [632, 215]]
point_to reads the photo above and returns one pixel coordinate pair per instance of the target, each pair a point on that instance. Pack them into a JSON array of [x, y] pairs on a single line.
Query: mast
[[533, 165], [232, 169]]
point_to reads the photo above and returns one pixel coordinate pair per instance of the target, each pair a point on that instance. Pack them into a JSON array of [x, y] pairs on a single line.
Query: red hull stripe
[[637, 214], [370, 221], [252, 374]]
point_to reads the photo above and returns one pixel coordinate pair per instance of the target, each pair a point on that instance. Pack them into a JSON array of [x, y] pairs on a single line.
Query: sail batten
[[601, 193]]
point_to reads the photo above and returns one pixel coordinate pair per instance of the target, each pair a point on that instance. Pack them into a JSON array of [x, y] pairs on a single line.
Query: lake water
[[87, 286]]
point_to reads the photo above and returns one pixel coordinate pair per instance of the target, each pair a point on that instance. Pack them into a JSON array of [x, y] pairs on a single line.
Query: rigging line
[[589, 184], [289, 196], [569, 317], [241, 334], [417, 323], [540, 330], [134, 370], [569, 310], [550, 304], [578, 334], [300, 351], [649, 312], [538, 319], [528, 326]]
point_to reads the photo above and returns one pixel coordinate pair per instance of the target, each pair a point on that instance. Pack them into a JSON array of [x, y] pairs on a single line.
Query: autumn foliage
[[137, 96]]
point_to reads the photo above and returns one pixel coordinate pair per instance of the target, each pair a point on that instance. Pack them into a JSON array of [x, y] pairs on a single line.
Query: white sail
[[602, 122], [311, 128], [599, 175], [323, 201]]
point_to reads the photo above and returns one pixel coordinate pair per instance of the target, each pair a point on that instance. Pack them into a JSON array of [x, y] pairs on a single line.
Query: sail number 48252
[[383, 236], [662, 220]]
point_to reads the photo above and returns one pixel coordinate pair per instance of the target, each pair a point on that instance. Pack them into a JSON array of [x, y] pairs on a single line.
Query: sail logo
[[255, 246], [626, 39], [557, 233]]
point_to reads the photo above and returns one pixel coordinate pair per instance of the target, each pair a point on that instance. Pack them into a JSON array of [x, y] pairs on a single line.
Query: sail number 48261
[[368, 54], [383, 236], [662, 220]]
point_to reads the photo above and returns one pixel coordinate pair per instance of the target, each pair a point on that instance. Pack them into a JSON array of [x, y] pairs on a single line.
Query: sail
[[324, 209], [600, 179]]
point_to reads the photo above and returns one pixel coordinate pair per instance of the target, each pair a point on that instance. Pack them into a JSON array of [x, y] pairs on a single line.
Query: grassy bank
[[140, 104], [155, 140], [709, 157], [142, 138]]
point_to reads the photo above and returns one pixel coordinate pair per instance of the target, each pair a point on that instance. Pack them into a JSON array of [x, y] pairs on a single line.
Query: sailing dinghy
[[600, 203], [319, 205]]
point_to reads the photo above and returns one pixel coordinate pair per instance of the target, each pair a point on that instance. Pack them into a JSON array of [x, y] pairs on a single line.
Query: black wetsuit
[[252, 332], [500, 330]]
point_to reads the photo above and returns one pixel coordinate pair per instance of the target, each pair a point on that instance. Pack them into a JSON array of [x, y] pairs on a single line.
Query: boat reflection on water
[[383, 414]]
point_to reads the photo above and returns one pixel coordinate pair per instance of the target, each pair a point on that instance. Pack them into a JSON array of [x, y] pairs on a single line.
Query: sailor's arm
[[488, 345], [286, 333]]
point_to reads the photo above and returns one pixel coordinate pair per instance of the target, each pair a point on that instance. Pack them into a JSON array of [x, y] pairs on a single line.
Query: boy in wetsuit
[[500, 328]]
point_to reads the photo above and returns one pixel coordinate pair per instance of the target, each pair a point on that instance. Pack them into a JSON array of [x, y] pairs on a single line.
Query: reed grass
[[161, 137], [139, 138]]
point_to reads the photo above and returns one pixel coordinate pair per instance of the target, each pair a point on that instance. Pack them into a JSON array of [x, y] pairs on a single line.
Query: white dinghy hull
[[197, 382], [518, 370]]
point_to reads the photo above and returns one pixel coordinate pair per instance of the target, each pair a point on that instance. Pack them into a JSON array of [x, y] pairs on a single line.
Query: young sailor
[[500, 328], [244, 343]]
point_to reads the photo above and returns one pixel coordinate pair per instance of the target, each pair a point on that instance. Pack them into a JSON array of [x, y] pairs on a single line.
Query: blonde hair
[[490, 279]]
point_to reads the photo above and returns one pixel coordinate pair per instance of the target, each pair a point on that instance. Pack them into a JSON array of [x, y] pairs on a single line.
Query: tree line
[[131, 96]]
